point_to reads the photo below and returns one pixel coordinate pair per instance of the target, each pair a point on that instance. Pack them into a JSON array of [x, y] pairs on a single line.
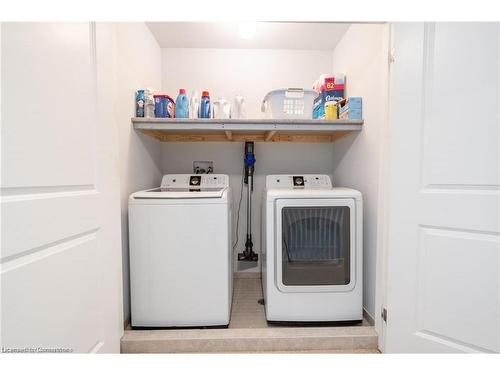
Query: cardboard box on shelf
[[330, 82], [351, 109], [330, 88]]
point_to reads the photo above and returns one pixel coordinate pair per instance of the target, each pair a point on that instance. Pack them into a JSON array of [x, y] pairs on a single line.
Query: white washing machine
[[312, 248], [180, 252]]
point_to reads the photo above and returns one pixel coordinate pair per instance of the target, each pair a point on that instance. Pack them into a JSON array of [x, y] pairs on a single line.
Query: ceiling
[[268, 35]]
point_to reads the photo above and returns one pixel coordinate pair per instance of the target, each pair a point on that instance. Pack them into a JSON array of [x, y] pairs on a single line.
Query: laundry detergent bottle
[[205, 105], [182, 105]]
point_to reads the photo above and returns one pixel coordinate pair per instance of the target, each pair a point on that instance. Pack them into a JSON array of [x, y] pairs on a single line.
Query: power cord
[[239, 207]]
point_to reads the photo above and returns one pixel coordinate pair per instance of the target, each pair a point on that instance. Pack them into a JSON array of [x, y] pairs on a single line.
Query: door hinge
[[383, 314], [392, 55]]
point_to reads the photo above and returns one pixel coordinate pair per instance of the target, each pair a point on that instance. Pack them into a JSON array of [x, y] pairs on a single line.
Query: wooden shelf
[[200, 130]]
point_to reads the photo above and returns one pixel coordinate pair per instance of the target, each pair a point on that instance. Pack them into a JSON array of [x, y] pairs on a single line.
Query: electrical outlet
[[203, 167]]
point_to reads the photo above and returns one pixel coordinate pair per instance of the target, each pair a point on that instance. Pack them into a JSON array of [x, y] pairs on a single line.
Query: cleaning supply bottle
[[205, 105], [194, 105], [182, 105]]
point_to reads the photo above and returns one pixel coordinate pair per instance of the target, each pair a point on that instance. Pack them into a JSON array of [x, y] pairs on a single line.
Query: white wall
[[249, 72], [137, 65], [252, 73], [362, 54]]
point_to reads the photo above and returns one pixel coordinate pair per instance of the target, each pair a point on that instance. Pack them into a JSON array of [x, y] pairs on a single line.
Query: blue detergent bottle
[[182, 105], [205, 105]]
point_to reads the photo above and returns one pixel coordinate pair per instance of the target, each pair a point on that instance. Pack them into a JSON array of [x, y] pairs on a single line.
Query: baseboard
[[368, 317]]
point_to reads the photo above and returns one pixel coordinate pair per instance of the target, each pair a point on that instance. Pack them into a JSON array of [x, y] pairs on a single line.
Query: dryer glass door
[[317, 244]]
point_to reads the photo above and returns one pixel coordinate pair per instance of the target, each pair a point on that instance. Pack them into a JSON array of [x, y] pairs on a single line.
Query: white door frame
[[382, 217]]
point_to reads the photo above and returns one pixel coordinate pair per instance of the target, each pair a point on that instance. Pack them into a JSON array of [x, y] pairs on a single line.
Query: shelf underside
[[185, 130]]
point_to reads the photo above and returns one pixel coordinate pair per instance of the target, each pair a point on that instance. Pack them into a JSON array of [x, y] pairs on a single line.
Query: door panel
[[25, 212], [48, 86], [444, 228], [61, 257], [59, 284], [457, 264], [460, 83]]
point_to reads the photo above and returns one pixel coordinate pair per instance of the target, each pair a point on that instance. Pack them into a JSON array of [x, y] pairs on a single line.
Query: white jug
[[238, 110], [221, 108], [194, 105]]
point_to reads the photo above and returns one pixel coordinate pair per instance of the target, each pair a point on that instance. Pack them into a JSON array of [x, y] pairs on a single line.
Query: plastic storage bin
[[289, 104]]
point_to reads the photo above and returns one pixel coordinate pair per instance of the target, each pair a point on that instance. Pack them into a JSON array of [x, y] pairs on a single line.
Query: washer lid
[[180, 193]]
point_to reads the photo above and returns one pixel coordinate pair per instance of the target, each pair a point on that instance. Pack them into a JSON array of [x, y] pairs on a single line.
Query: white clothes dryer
[[312, 249]]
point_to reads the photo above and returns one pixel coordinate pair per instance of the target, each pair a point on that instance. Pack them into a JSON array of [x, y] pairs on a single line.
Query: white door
[[443, 285], [60, 254]]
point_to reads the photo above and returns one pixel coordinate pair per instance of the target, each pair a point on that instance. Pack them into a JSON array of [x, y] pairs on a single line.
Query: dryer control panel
[[195, 181], [304, 181]]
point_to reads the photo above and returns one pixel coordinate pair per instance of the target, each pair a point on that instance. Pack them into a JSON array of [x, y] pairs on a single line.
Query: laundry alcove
[[348, 151]]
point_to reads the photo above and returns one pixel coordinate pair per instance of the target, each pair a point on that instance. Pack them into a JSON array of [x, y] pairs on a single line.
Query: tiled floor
[[247, 312], [249, 332]]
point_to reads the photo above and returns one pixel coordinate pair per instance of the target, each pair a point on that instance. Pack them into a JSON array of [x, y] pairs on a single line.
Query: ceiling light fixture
[[247, 29]]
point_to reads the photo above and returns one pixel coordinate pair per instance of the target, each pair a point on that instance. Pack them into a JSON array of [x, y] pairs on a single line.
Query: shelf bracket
[[229, 135], [269, 135]]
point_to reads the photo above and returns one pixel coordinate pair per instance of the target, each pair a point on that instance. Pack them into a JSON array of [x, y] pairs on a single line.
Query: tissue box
[[352, 109]]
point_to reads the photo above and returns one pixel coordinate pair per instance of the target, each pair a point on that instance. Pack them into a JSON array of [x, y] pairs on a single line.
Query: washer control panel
[[305, 181], [195, 181]]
